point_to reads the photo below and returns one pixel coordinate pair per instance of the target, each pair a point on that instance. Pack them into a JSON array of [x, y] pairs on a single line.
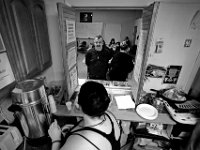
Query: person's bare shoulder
[[75, 142], [111, 115]]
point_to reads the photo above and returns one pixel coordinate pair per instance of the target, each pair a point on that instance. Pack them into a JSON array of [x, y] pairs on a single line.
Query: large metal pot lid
[[28, 85], [175, 94], [172, 94]]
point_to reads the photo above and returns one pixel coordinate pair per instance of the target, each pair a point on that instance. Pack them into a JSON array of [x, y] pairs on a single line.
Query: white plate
[[147, 111]]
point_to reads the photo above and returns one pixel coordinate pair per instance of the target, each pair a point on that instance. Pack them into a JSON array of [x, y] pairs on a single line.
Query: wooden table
[[126, 115]]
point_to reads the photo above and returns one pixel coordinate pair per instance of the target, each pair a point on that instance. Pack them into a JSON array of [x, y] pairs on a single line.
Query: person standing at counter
[[121, 64], [97, 59], [98, 130]]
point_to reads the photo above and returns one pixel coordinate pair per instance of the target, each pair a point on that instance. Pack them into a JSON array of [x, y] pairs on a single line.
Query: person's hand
[[66, 128], [54, 131]]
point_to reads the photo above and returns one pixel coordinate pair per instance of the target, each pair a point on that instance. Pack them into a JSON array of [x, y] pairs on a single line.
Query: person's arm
[[130, 65], [110, 53], [87, 58], [55, 135], [55, 146]]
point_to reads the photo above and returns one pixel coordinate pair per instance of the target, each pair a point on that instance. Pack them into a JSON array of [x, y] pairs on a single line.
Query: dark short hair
[[93, 99], [99, 37], [123, 45]]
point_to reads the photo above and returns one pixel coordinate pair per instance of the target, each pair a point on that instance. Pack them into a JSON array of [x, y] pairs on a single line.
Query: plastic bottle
[[52, 104]]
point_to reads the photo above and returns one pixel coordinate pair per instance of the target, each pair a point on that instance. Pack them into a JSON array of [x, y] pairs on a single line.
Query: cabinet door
[[8, 47], [41, 31], [20, 19], [66, 17], [8, 41]]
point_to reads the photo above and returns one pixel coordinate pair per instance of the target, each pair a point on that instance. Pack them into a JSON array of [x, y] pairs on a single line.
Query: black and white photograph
[[99, 74]]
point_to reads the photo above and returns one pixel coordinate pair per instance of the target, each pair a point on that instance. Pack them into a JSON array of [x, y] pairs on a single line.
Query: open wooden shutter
[[69, 47], [148, 21]]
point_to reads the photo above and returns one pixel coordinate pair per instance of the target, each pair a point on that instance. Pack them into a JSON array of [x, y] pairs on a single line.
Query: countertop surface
[[114, 88], [126, 115]]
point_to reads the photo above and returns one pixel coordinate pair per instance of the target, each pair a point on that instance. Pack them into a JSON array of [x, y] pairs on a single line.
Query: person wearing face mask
[[97, 59], [121, 64]]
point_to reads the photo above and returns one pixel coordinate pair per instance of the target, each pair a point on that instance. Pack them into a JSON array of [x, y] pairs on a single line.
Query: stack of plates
[[147, 111]]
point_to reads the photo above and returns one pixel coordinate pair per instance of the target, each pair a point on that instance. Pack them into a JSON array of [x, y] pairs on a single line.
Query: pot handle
[[14, 108], [154, 90], [158, 92]]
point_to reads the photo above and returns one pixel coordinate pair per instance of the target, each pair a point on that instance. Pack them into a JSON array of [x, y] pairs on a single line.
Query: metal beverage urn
[[31, 107]]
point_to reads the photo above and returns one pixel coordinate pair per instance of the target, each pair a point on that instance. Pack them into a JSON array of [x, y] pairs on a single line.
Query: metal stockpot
[[31, 106]]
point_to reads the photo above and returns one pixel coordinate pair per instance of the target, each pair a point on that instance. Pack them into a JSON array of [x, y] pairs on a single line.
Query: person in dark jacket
[[98, 130], [112, 41], [128, 42], [121, 64], [194, 141], [97, 59]]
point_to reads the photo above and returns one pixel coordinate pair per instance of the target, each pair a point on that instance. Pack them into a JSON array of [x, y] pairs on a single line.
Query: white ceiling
[[119, 3]]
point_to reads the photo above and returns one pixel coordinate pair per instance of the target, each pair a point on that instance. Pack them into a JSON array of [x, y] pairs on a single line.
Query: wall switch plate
[[188, 42]]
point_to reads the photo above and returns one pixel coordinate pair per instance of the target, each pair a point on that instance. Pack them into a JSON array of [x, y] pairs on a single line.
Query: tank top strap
[[110, 137], [119, 124], [113, 128], [76, 125], [90, 129], [96, 130], [86, 140]]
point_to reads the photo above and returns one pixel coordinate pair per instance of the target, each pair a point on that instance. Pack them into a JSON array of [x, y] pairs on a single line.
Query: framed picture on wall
[[172, 74], [85, 16]]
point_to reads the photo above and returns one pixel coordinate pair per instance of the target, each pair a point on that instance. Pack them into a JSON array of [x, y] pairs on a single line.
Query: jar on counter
[[158, 104]]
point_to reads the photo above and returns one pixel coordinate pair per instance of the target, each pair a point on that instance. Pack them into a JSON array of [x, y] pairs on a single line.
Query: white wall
[[138, 23], [56, 71], [119, 3], [173, 26], [124, 17], [108, 3]]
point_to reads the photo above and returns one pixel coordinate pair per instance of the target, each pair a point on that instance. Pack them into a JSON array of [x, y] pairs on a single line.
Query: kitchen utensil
[[31, 106], [172, 95], [184, 118]]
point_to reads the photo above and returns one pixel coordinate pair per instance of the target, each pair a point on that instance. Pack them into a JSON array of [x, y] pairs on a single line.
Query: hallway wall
[[126, 18]]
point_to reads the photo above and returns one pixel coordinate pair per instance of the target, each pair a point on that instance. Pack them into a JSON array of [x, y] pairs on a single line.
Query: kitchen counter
[[113, 89], [126, 115]]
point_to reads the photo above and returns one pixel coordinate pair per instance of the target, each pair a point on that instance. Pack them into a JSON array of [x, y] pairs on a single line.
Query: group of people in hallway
[[110, 62]]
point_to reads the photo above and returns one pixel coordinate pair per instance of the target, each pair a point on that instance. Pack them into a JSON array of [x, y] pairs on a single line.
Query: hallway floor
[[82, 68]]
